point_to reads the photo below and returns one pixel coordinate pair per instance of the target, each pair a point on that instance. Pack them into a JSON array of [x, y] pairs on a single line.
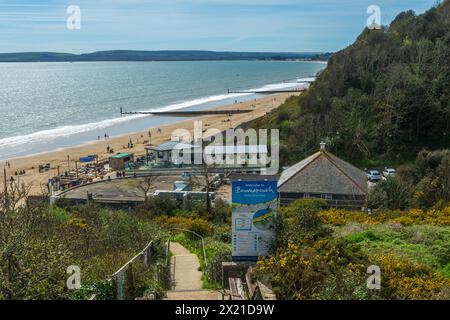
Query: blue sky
[[225, 25]]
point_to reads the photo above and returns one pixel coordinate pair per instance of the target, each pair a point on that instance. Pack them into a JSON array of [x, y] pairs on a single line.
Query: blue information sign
[[254, 209]]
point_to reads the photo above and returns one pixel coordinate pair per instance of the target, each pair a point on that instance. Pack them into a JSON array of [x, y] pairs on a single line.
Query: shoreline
[[64, 136], [58, 157]]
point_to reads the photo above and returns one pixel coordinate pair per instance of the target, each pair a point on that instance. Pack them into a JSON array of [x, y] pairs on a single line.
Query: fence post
[[168, 253], [129, 287], [204, 256]]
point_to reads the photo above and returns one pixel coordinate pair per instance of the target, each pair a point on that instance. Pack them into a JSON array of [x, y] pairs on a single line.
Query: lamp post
[[337, 138]]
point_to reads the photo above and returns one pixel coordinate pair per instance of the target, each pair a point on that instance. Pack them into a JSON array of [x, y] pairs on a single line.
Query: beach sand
[[36, 181]]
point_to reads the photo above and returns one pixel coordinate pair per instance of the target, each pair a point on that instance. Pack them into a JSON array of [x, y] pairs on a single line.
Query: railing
[[202, 243], [123, 280]]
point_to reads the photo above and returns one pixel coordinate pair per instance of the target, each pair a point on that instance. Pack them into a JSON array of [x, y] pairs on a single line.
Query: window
[[326, 196]]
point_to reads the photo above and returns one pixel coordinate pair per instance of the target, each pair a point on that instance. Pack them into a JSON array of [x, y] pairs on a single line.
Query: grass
[[422, 244]]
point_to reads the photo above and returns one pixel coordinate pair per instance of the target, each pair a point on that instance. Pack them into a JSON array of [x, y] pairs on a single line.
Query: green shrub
[[214, 264], [301, 221], [368, 235]]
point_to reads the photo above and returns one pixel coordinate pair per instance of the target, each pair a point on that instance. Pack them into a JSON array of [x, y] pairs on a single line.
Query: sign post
[[254, 207]]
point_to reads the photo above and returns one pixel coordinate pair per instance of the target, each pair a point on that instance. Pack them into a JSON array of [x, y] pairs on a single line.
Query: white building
[[174, 152], [249, 155]]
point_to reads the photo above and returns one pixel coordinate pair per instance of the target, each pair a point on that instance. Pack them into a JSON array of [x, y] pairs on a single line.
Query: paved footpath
[[186, 276]]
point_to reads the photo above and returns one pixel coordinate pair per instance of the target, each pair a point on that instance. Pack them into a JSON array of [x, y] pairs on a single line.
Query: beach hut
[[118, 161], [324, 176]]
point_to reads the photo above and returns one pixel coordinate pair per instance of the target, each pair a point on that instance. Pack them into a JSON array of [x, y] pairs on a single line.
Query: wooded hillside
[[384, 98]]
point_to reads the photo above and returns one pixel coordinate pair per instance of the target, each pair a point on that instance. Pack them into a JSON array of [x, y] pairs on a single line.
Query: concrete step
[[193, 295]]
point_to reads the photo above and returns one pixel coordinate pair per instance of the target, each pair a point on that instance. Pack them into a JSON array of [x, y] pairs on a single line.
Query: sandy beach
[[36, 181]]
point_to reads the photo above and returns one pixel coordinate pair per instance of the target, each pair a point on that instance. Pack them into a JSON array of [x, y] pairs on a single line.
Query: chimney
[[322, 146]]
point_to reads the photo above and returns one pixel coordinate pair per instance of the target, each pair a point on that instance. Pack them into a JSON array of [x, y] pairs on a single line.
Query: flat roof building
[[253, 155], [162, 154]]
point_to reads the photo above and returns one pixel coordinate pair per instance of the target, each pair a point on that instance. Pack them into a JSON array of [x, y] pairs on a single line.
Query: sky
[[220, 25]]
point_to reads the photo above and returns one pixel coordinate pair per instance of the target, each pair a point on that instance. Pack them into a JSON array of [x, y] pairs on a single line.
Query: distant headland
[[163, 55]]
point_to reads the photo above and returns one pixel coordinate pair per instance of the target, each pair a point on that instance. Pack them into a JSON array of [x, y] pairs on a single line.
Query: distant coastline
[[162, 55]]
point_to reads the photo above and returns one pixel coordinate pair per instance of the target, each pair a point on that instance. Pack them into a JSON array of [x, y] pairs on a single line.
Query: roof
[[323, 172], [169, 146], [122, 155], [240, 149]]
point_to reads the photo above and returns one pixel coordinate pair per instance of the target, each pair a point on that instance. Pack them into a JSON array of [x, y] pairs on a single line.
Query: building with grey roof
[[324, 176], [162, 153]]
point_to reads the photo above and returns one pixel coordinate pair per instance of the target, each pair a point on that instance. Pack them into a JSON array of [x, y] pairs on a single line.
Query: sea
[[51, 106]]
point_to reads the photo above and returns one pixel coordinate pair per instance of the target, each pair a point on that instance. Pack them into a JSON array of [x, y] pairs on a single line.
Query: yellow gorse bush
[[296, 271], [408, 280], [340, 217], [77, 223], [196, 224]]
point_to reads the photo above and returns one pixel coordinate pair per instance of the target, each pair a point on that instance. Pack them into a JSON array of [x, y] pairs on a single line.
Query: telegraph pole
[[6, 184]]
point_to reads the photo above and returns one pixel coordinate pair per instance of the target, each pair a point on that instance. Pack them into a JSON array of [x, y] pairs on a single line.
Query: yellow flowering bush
[[299, 272], [402, 279], [340, 217], [77, 223], [196, 224]]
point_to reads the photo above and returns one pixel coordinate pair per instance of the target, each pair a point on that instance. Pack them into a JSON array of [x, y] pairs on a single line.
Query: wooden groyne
[[187, 113], [268, 91]]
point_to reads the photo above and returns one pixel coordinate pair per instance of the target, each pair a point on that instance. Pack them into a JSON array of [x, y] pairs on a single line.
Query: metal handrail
[[202, 242], [125, 266]]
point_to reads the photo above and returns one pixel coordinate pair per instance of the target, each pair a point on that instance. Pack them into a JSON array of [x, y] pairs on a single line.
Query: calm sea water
[[47, 106]]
